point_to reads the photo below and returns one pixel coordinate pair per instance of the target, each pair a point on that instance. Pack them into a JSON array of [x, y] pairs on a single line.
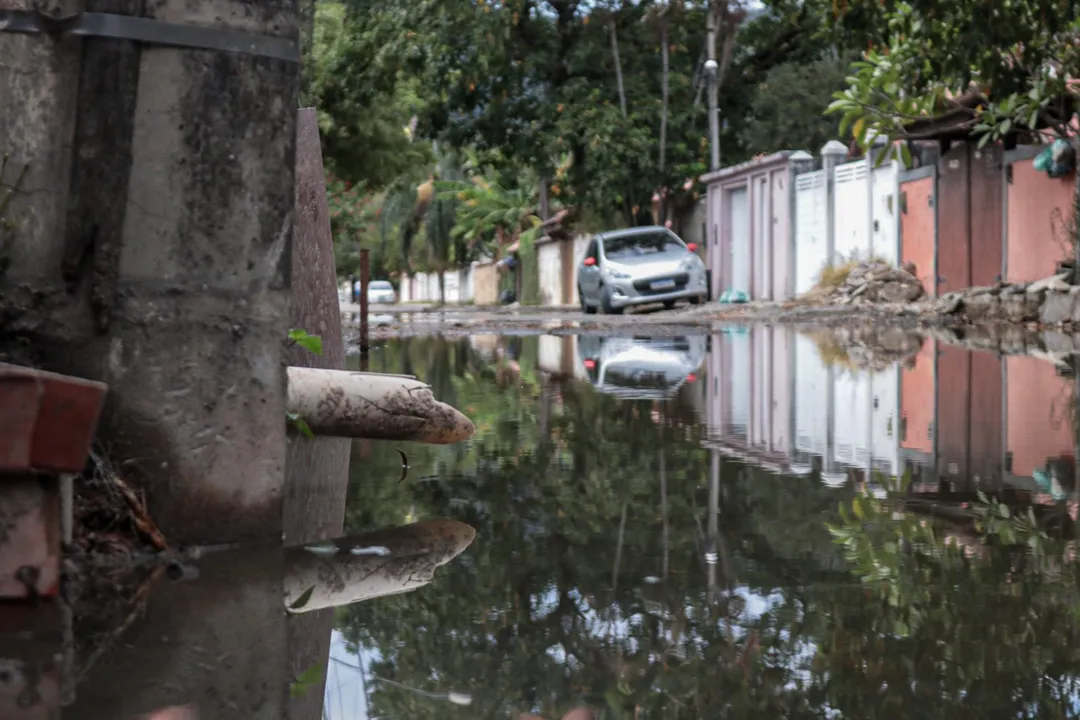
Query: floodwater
[[751, 523]]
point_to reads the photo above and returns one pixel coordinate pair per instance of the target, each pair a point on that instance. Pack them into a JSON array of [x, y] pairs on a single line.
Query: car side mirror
[[692, 247], [590, 261]]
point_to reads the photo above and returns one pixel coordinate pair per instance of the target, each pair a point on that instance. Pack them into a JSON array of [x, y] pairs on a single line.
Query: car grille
[[643, 286]]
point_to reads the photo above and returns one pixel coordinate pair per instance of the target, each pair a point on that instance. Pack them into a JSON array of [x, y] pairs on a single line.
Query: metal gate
[[740, 240], [850, 212]]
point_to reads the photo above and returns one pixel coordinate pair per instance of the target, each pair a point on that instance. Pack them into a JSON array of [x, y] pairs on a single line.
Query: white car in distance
[[381, 292]]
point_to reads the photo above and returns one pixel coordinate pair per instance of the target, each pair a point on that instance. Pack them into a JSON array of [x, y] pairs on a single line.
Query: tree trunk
[[665, 64], [442, 287], [618, 63]]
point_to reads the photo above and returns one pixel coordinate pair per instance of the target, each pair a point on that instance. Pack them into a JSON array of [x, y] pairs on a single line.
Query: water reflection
[[670, 549], [656, 535], [640, 368]]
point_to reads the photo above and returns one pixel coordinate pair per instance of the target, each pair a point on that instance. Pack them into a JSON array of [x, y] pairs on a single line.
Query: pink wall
[[1038, 416], [917, 401], [917, 230], [1036, 207]]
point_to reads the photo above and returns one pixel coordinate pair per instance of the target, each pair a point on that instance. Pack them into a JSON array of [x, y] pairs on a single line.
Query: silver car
[[639, 266]]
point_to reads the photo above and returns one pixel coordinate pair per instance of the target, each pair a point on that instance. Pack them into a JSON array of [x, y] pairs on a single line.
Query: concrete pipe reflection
[[360, 567]]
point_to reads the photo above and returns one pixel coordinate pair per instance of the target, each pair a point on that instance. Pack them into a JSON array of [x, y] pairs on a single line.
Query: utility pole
[[711, 69]]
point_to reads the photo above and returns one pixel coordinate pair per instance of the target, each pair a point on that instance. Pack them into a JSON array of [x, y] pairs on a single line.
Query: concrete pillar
[[799, 162], [165, 271], [832, 154], [316, 469], [39, 80]]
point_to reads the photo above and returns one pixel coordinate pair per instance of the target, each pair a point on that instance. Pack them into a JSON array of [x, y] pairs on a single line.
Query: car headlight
[[691, 263], [618, 275]]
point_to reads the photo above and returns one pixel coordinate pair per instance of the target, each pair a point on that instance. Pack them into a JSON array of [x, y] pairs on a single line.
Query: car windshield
[[380, 285], [627, 246]]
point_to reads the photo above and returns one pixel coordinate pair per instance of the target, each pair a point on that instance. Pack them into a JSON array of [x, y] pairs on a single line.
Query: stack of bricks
[[47, 424]]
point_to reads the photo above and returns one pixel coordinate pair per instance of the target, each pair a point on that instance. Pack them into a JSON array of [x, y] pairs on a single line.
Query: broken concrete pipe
[[373, 406], [351, 569]]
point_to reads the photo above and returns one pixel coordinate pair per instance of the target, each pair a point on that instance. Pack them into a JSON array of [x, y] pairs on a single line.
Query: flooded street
[[708, 526], [747, 522]]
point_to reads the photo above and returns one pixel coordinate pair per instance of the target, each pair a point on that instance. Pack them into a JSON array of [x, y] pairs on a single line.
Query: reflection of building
[[750, 394], [918, 410], [1039, 442], [556, 355]]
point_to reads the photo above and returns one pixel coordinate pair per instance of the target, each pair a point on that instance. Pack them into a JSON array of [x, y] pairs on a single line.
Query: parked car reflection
[[641, 368]]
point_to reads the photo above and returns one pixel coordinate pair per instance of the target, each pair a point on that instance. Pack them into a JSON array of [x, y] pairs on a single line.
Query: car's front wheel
[[696, 300], [610, 309], [585, 307]]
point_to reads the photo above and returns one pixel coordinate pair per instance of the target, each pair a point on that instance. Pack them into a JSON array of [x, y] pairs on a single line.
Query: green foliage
[[787, 109], [365, 104], [300, 424], [303, 682], [1019, 55], [488, 210], [311, 343]]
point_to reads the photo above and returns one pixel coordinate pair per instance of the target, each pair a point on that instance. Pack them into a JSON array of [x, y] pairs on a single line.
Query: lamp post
[[711, 69], [714, 116]]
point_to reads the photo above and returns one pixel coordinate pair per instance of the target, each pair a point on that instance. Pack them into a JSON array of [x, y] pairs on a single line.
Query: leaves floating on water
[[305, 680], [303, 600], [373, 550], [404, 465]]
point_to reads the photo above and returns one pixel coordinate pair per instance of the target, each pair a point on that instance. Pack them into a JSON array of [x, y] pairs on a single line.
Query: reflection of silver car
[[381, 291], [638, 266], [641, 368]]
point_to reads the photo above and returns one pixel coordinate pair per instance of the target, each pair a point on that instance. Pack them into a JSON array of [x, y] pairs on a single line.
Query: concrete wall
[[485, 284], [549, 257]]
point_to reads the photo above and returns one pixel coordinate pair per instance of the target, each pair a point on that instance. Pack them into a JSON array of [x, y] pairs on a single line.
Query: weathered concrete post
[[316, 469], [161, 266], [799, 162], [832, 154], [39, 79]]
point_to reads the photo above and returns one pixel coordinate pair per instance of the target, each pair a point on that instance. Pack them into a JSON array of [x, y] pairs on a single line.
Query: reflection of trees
[[530, 617], [951, 623]]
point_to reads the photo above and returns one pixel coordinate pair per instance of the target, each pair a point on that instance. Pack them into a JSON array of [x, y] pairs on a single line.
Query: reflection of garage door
[[740, 241], [740, 382]]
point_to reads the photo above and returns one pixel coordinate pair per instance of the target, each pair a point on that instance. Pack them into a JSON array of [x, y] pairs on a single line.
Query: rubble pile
[[876, 281], [1050, 301]]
